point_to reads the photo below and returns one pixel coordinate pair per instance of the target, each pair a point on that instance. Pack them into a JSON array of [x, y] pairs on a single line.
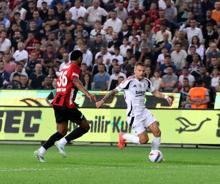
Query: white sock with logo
[[131, 138], [155, 143], [63, 141], [42, 150]]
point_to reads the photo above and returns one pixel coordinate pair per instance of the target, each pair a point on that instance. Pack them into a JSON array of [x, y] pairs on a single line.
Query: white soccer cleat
[[39, 156], [60, 148]]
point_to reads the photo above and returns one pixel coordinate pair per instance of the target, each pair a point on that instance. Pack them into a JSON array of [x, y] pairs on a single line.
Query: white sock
[[131, 138], [155, 143], [63, 141], [42, 150]]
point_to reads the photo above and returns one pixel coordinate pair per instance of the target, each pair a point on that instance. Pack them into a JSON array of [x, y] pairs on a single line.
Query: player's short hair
[[76, 54], [139, 64]]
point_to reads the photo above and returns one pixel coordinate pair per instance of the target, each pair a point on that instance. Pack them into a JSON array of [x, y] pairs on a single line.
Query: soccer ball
[[155, 156]]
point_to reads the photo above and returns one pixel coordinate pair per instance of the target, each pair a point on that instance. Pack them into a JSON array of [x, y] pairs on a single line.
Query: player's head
[[139, 70], [76, 57]]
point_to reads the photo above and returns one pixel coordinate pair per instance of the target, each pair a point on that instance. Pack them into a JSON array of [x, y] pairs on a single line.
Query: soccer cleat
[[39, 156], [60, 148], [121, 141]]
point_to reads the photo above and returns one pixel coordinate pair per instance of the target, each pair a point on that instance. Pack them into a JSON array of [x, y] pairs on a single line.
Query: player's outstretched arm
[[80, 87], [158, 94], [106, 97]]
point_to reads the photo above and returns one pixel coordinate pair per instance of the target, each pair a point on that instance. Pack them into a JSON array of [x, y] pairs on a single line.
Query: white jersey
[[134, 93]]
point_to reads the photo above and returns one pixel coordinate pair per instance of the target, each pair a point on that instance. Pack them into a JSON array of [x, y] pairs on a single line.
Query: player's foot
[[121, 141], [39, 156], [60, 148]]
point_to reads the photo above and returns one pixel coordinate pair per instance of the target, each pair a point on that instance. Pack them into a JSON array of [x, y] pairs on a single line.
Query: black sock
[[53, 138], [78, 132]]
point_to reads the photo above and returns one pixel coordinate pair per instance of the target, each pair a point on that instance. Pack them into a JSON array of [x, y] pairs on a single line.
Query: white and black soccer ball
[[155, 156]]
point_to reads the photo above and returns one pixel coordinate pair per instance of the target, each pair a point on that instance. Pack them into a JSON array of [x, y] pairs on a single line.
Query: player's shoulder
[[128, 80], [146, 80], [126, 83]]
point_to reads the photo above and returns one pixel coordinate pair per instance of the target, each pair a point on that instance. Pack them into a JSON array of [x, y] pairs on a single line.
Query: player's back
[[66, 92]]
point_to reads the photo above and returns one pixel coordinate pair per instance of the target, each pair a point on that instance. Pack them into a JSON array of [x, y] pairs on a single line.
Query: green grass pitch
[[108, 165]]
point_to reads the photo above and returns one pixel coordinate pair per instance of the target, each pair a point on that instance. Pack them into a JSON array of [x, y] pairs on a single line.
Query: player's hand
[[99, 103], [91, 97], [169, 100]]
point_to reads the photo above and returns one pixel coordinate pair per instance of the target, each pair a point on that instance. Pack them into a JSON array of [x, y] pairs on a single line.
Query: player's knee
[[143, 140], [157, 133], [63, 132], [85, 126]]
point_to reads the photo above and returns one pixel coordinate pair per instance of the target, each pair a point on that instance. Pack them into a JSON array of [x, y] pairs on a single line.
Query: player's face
[[139, 72]]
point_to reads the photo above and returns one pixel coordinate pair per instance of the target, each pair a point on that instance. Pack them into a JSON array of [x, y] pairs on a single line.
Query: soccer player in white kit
[[138, 117]]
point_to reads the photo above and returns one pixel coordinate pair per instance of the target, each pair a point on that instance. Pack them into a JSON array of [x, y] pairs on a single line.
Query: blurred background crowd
[[178, 41]]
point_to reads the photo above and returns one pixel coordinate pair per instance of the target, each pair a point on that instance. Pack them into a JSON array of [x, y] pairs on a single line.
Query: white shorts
[[139, 123]]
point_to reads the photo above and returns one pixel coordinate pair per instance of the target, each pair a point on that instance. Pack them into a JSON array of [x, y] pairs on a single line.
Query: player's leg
[[78, 117], [61, 132], [154, 128], [139, 137], [62, 125]]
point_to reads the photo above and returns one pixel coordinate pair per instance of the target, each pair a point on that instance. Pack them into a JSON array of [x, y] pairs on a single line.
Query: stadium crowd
[[178, 41]]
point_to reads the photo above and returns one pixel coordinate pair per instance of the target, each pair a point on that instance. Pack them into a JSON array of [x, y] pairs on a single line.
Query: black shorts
[[64, 114]]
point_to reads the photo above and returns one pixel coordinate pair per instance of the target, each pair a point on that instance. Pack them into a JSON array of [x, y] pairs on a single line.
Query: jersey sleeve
[[123, 85], [74, 72]]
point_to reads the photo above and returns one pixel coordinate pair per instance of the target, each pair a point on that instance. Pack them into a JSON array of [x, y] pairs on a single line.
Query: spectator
[[87, 82], [199, 47], [136, 12], [5, 43], [215, 79], [114, 22], [113, 81], [216, 12], [178, 57], [43, 9], [170, 11], [118, 56], [15, 82], [96, 44], [107, 57], [199, 96], [167, 63], [95, 12], [184, 92], [193, 30], [4, 20], [101, 79], [87, 55], [163, 30], [186, 75], [124, 47], [121, 11], [97, 30], [24, 81], [4, 76], [212, 51], [37, 77], [77, 11], [156, 80], [20, 70], [169, 81], [210, 34], [9, 64], [21, 53]]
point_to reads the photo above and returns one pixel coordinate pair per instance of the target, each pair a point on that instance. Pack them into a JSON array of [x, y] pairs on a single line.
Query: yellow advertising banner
[[37, 98], [177, 126]]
